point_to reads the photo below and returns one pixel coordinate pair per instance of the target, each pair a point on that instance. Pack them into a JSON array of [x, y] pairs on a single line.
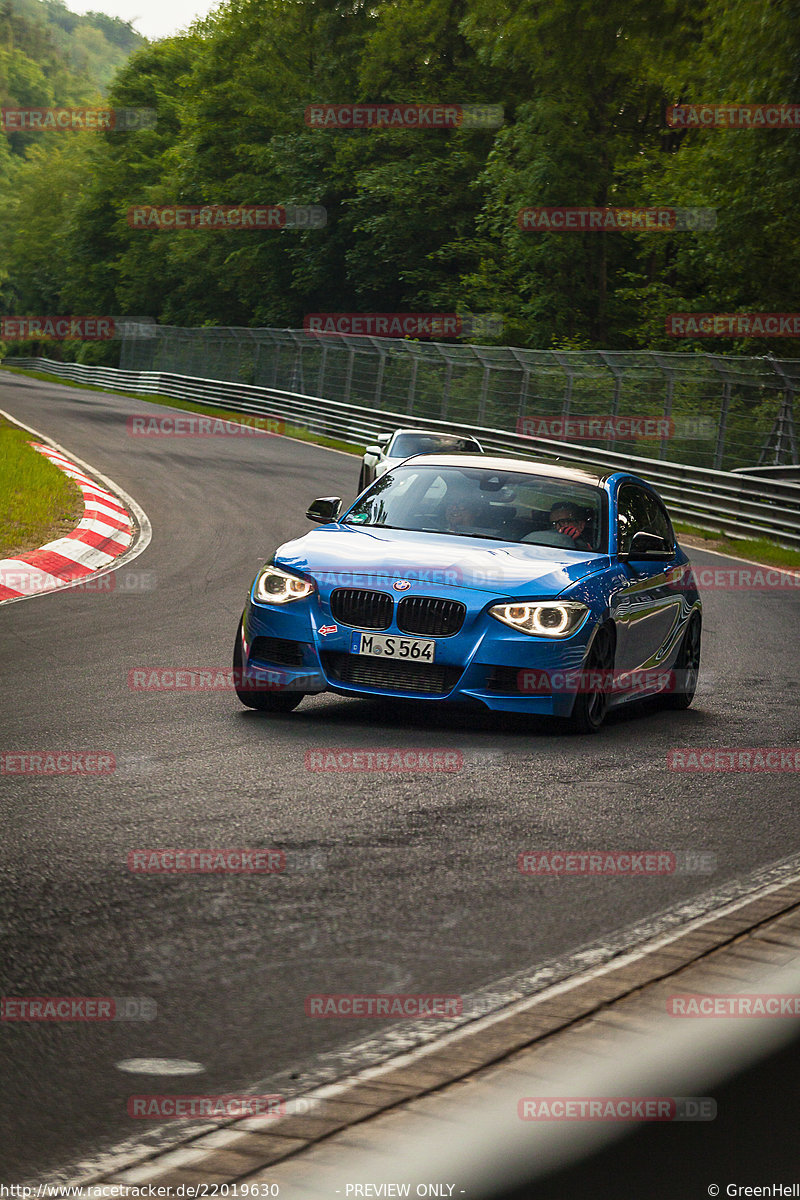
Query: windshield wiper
[[376, 525], [489, 537]]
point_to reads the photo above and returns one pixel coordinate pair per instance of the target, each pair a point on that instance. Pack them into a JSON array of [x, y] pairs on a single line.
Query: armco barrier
[[736, 503], [728, 410]]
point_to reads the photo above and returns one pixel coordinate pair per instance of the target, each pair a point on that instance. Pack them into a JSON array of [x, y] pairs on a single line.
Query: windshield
[[510, 506], [406, 444]]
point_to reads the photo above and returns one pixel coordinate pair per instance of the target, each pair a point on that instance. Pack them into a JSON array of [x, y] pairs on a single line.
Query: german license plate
[[380, 645]]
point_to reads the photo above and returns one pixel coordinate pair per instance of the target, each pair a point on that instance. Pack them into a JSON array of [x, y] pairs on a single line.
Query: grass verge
[[757, 550], [37, 501]]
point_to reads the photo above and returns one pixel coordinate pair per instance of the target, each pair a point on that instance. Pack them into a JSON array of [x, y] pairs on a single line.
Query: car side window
[[640, 511], [658, 521]]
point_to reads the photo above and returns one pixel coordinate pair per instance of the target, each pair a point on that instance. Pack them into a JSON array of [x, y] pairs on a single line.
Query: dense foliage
[[417, 220]]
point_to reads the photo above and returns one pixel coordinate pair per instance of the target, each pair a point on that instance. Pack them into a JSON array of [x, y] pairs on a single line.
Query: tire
[[590, 708], [687, 664], [264, 701], [362, 482]]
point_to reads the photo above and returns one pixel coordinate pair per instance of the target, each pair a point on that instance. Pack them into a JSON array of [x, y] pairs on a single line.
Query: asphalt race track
[[406, 882]]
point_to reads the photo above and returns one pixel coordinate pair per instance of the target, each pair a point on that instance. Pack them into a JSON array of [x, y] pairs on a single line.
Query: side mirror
[[383, 439], [648, 547], [373, 450], [326, 508]]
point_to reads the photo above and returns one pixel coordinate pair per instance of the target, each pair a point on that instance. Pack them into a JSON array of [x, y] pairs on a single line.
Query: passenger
[[461, 514]]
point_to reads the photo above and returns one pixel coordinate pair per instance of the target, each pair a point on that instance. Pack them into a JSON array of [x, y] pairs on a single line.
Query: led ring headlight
[[274, 586], [555, 618]]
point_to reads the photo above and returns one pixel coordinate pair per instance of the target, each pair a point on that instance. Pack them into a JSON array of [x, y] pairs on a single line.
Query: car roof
[[574, 472]]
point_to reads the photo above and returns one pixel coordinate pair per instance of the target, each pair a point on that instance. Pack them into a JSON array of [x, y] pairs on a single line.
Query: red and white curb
[[113, 527]]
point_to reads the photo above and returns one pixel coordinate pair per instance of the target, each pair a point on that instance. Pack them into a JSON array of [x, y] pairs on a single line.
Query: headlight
[[556, 619], [275, 586]]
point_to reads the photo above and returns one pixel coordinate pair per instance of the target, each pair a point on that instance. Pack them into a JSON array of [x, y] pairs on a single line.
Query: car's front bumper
[[487, 662]]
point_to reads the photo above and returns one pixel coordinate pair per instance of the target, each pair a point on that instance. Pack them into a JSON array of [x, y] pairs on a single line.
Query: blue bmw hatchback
[[521, 586]]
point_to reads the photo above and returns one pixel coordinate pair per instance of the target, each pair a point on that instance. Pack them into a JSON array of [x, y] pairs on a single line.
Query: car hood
[[343, 556]]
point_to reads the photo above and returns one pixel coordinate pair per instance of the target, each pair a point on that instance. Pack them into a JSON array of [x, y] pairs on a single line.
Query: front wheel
[[264, 701], [687, 666], [591, 702]]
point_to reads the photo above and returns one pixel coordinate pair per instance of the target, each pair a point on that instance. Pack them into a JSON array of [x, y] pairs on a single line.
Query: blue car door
[[647, 606]]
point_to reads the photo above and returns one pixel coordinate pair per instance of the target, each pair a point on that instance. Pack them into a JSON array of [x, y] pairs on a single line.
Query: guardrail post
[[487, 366], [615, 371], [719, 449], [785, 441], [297, 383], [381, 369], [484, 392], [323, 364], [448, 378], [566, 403], [348, 383], [790, 425], [412, 387], [124, 350], [275, 359], [523, 394], [525, 371], [783, 429], [662, 453]]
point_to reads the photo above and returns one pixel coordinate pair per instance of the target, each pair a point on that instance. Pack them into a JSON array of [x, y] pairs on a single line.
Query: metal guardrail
[[735, 503], [717, 410]]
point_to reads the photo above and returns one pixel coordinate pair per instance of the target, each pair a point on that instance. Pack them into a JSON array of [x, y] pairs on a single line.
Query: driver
[[567, 518]]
